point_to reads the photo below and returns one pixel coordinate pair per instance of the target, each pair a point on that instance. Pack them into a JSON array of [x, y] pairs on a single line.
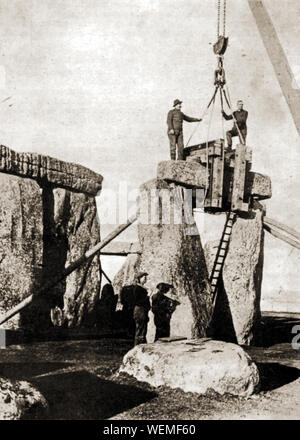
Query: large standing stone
[[76, 229], [21, 243], [197, 366], [20, 400], [237, 312], [172, 253]]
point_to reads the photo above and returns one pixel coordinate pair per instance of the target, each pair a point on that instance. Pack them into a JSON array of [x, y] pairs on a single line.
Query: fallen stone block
[[197, 365]]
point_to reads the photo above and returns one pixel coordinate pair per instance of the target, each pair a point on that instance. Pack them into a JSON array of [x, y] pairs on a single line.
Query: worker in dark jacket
[[175, 134], [141, 309], [163, 307], [240, 116]]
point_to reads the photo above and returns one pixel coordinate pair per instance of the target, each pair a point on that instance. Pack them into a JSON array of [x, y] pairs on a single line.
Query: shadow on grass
[[274, 375], [27, 370], [81, 395]]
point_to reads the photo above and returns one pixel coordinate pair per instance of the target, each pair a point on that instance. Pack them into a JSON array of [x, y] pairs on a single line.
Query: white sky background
[[91, 82]]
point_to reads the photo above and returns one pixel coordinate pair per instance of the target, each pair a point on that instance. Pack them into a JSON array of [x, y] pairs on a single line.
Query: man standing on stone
[[163, 307], [175, 134], [141, 309], [240, 117]]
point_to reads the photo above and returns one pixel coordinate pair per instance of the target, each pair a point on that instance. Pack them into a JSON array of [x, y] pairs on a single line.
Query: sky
[[91, 81]]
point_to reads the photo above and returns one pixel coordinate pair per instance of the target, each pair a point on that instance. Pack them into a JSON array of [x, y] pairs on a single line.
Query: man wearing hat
[[175, 134], [141, 309], [163, 306]]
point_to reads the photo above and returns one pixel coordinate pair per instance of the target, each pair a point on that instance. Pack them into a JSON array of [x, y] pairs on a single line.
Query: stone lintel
[[194, 175], [50, 170]]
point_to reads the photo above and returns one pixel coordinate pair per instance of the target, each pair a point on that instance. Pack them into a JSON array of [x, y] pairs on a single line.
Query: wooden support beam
[[271, 222], [239, 177], [69, 269], [282, 237], [122, 248], [278, 59], [214, 198]]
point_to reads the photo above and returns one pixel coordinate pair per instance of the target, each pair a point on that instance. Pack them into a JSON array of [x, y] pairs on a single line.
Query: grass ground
[[79, 380]]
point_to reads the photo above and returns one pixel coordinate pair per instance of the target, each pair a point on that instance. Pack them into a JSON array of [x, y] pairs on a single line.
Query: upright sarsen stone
[[171, 252], [77, 230], [237, 312], [21, 243]]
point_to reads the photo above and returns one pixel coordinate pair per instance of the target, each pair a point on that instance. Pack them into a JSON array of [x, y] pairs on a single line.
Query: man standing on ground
[[141, 309], [163, 307], [240, 116], [175, 134]]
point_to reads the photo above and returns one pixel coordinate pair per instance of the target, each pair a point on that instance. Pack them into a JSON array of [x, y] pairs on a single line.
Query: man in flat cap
[[175, 134], [141, 308], [163, 306]]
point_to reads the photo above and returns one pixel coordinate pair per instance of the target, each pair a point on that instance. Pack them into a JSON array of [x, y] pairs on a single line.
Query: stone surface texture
[[21, 243], [20, 400], [198, 366], [237, 312], [172, 254], [75, 220], [50, 170], [182, 172]]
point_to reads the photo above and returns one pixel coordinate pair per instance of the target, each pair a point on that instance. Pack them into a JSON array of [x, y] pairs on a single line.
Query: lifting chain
[[218, 23], [224, 18], [219, 18], [221, 45]]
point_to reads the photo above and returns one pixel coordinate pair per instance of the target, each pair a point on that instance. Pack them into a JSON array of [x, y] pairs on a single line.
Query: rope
[[207, 137], [223, 129], [202, 116]]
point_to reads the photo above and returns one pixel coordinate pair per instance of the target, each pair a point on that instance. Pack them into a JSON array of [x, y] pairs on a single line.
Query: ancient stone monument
[[48, 219], [172, 249]]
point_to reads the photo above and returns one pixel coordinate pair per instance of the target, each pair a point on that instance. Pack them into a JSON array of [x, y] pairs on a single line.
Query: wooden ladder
[[221, 254]]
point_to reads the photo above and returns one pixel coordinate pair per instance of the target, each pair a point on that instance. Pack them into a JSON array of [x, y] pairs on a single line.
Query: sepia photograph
[[150, 214]]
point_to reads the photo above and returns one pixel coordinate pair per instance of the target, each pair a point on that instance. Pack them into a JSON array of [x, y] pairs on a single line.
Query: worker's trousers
[[232, 133], [140, 316], [176, 139]]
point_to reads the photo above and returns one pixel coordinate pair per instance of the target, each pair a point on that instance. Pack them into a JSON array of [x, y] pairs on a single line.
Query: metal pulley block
[[221, 45]]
